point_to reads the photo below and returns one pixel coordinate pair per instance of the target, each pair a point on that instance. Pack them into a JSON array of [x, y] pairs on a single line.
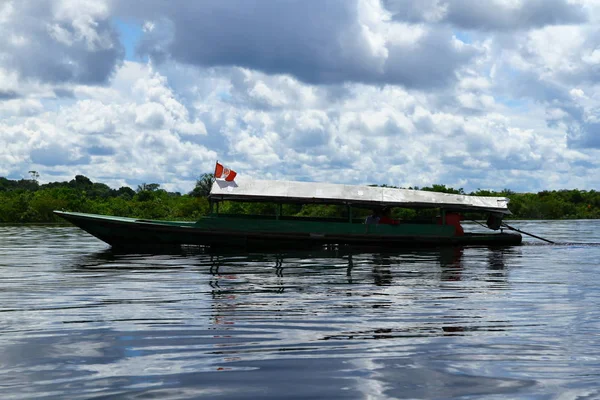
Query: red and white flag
[[222, 172]]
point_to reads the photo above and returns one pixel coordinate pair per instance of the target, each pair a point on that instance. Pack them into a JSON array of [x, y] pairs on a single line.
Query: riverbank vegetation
[[26, 200]]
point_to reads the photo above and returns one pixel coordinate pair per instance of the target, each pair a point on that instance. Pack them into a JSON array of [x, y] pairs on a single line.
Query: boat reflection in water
[[281, 271], [385, 266], [412, 275]]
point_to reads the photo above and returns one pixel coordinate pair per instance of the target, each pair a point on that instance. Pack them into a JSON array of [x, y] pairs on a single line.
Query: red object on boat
[[222, 172], [454, 220], [387, 220]]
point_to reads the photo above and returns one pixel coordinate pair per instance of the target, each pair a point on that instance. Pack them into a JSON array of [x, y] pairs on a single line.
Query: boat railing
[[287, 218], [322, 219], [358, 220]]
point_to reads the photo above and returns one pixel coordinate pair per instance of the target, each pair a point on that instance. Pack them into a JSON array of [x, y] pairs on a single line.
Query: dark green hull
[[258, 232]]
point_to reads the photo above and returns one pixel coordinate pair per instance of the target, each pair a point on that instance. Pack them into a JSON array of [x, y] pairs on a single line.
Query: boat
[[285, 231]]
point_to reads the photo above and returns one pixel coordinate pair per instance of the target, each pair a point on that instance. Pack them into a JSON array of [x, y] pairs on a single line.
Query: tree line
[[26, 200]]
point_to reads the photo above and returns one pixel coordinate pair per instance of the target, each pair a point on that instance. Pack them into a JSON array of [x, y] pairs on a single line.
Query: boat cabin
[[445, 229]]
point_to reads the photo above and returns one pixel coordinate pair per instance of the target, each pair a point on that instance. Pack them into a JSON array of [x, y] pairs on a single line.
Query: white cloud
[[150, 115], [99, 135], [397, 92], [346, 41], [20, 108], [59, 41], [489, 15]]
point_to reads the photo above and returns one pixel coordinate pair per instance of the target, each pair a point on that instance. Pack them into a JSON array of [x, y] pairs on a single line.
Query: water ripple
[[79, 321]]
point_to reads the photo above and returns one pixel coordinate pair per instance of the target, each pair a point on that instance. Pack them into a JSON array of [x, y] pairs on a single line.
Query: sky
[[467, 93]]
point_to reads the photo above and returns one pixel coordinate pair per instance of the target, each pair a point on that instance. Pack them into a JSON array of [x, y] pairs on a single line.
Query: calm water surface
[[77, 321]]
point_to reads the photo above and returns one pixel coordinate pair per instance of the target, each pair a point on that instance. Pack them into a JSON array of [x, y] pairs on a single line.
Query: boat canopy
[[247, 189]]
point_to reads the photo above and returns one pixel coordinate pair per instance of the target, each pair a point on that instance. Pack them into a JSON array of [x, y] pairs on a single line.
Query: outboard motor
[[494, 221]]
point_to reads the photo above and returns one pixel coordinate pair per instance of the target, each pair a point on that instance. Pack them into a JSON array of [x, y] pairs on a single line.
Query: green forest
[[26, 200]]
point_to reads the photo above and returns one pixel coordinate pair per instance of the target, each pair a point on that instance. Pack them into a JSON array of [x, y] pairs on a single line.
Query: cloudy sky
[[467, 93]]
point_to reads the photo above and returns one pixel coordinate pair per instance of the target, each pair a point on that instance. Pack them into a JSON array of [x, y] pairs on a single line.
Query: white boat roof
[[247, 189]]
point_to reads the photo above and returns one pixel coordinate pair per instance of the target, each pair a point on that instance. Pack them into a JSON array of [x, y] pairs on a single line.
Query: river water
[[77, 321]]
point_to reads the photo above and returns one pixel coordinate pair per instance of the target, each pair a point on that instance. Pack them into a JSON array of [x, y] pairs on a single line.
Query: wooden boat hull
[[259, 232]]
